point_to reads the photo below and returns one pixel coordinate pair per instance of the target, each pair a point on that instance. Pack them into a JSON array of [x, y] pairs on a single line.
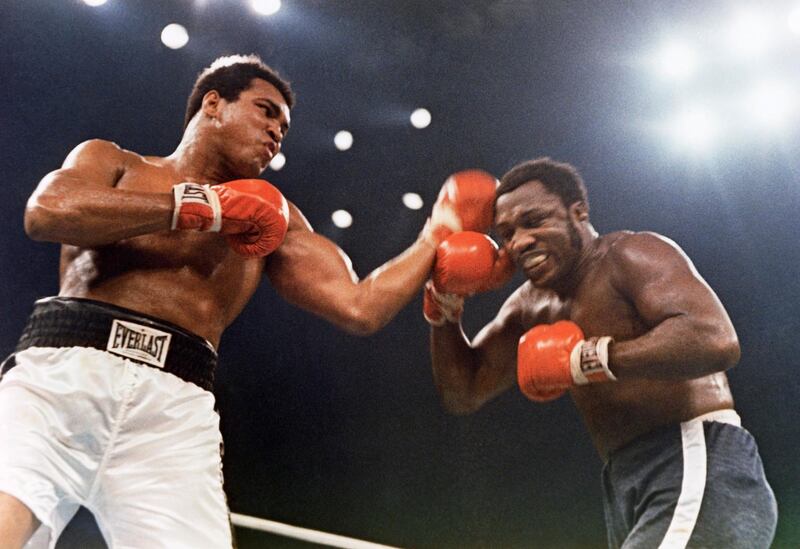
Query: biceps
[[97, 162], [312, 272], [686, 295]]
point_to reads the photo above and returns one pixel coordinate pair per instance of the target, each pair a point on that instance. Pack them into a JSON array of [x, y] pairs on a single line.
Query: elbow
[[459, 403], [38, 225], [361, 322], [721, 352], [728, 352], [459, 408]]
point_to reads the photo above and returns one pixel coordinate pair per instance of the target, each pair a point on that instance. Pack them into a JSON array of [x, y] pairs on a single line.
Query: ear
[[211, 103], [579, 211]]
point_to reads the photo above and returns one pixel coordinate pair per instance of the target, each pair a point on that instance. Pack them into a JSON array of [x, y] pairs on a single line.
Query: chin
[[541, 285], [251, 172], [545, 281], [538, 281]]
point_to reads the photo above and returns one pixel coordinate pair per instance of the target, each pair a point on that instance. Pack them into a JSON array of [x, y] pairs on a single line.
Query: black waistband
[[75, 322]]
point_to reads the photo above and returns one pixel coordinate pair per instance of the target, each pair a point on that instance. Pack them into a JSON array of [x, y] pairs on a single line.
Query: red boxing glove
[[551, 358], [468, 262], [465, 203], [464, 263], [252, 214]]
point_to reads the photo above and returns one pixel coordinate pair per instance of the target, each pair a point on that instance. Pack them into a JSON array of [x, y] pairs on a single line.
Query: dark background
[[346, 434]]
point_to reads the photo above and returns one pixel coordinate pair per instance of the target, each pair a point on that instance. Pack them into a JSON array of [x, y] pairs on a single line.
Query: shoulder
[[640, 258], [528, 305], [628, 246], [297, 221], [102, 147], [100, 150]]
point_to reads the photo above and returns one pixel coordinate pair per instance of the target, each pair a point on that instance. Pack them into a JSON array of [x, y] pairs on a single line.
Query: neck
[[194, 159], [590, 250]]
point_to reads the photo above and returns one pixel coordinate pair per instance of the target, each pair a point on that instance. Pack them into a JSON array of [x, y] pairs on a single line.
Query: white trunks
[[138, 447]]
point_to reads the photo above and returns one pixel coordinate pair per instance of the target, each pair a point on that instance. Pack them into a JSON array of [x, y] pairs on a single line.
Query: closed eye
[[532, 221], [273, 111]]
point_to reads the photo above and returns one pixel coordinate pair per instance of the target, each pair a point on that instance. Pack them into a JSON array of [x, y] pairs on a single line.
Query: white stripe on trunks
[[693, 486]]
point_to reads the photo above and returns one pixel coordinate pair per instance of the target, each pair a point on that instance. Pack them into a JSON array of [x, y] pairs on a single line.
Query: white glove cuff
[[588, 361], [194, 193], [450, 305]]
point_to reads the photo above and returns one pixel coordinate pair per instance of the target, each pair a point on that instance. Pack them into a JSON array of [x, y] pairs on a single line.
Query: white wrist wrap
[[588, 361], [448, 307], [194, 196]]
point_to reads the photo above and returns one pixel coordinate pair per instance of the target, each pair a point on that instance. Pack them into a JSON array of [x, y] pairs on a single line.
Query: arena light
[[412, 201], [174, 36], [94, 3], [278, 162], [421, 118], [749, 33], [342, 218], [771, 104], [265, 7], [343, 140], [694, 128], [676, 61], [794, 20]]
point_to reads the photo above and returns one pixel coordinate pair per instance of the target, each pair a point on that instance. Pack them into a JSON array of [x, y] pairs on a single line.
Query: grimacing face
[[253, 128], [539, 233]]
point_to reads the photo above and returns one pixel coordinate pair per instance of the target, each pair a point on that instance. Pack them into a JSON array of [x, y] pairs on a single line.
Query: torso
[[191, 279], [616, 413]]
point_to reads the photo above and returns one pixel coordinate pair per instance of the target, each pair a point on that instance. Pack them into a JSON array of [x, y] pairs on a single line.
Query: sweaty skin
[[111, 210], [672, 337]]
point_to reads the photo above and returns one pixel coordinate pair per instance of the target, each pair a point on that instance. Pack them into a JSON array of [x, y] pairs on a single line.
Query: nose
[[275, 133], [519, 242]]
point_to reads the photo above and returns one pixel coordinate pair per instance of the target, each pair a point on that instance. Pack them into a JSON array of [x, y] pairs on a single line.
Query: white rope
[[305, 534]]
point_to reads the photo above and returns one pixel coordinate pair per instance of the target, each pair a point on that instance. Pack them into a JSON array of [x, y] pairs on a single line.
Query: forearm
[[677, 348], [67, 211], [378, 297], [454, 369]]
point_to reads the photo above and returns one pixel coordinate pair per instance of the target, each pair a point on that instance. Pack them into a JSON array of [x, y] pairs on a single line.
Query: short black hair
[[229, 76], [559, 178]]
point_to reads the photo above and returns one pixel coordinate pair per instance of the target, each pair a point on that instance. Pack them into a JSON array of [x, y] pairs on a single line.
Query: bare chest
[[596, 306], [204, 255], [150, 273], [600, 309]]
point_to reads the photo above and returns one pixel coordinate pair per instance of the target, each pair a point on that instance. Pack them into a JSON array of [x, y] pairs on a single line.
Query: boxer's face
[[253, 128], [540, 234]]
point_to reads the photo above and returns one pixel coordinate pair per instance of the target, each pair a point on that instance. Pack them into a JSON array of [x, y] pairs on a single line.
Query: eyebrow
[[530, 214]]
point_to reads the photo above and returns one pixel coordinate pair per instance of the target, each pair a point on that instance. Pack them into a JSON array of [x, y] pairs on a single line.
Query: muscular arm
[[313, 273], [690, 333], [469, 374], [79, 205]]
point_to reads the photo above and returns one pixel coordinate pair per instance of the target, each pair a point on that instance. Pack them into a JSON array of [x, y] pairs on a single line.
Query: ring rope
[[305, 534]]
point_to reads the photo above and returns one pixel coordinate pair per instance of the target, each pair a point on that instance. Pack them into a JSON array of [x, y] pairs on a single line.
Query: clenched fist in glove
[[252, 214], [465, 203], [551, 358], [466, 263]]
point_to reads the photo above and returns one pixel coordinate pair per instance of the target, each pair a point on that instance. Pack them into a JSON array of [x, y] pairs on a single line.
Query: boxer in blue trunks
[[107, 401], [626, 325]]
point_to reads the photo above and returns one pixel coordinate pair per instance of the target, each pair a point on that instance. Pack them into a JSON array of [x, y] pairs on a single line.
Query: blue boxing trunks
[[697, 484]]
